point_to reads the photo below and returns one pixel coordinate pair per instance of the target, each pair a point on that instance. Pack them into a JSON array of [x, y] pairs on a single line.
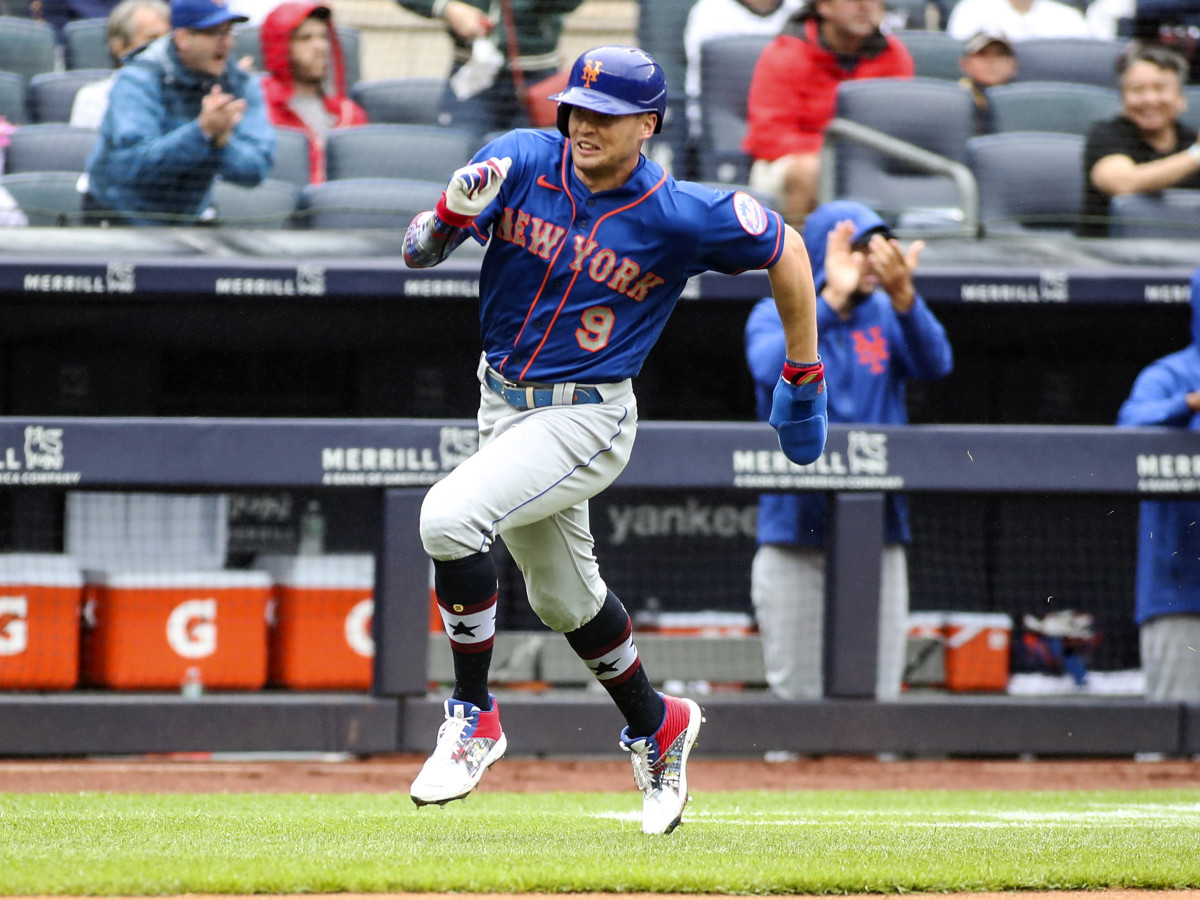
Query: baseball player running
[[589, 245]]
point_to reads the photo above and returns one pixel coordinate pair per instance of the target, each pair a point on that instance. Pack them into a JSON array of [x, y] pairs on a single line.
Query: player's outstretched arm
[[798, 409], [434, 234]]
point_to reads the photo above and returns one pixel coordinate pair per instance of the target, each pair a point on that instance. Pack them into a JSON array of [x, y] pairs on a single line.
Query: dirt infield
[[176, 773]]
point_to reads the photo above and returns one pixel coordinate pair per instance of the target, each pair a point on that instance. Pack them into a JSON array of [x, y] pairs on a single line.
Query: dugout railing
[[400, 714]]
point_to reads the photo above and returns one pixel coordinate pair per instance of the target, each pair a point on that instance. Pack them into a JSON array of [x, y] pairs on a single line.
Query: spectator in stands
[[10, 211], [59, 12], [1167, 607], [1110, 19], [305, 87], [794, 90], [1145, 148], [710, 19], [498, 64], [988, 60], [1018, 19], [180, 114], [131, 25], [876, 333]]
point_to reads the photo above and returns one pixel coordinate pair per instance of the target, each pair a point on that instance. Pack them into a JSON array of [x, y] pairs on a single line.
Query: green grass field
[[733, 843]]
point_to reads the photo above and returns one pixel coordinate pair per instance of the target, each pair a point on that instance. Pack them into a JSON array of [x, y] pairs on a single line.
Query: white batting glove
[[471, 189]]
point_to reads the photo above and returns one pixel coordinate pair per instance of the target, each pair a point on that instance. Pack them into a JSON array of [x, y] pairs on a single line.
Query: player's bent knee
[[562, 613], [445, 533]]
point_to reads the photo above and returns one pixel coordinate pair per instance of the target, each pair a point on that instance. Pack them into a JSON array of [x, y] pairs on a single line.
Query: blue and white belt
[[521, 395]]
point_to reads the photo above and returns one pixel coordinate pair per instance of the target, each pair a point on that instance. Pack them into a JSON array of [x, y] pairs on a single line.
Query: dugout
[[154, 325]]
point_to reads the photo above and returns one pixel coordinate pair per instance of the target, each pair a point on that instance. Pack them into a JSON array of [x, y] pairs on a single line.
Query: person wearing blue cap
[[875, 334], [181, 114]]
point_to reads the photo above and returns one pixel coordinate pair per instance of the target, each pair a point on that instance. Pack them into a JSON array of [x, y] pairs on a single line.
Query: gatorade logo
[[14, 627], [192, 628], [357, 628]]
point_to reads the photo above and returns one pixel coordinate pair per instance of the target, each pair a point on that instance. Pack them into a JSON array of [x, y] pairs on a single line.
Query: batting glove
[[798, 411], [471, 189]]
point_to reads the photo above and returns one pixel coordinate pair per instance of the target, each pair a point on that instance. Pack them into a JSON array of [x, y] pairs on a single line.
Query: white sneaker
[[469, 742], [660, 764]]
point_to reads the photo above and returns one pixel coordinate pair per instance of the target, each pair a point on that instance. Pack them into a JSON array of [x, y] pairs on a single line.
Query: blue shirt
[[577, 286]]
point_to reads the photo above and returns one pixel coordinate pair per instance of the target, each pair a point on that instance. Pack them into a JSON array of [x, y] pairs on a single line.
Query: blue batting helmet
[[618, 81]]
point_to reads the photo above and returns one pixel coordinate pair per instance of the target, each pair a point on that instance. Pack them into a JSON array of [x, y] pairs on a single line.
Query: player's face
[[604, 148], [310, 51], [205, 50], [1152, 98]]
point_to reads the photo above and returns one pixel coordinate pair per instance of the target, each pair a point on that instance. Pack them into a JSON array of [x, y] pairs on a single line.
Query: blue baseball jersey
[[577, 286]]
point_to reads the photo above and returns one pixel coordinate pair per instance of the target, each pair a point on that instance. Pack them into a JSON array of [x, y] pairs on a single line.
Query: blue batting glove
[[798, 411]]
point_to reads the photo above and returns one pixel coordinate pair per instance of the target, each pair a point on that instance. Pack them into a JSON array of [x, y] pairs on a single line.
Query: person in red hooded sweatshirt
[[305, 84]]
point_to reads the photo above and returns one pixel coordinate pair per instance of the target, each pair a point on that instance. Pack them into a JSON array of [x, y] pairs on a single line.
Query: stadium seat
[[935, 53], [49, 147], [1028, 181], [26, 46], [246, 43], [660, 28], [1191, 117], [726, 69], [13, 98], [1060, 106], [270, 204], [929, 113], [52, 94], [421, 152], [400, 101], [912, 15], [366, 203], [85, 45], [1171, 214], [291, 157], [47, 198], [1081, 60]]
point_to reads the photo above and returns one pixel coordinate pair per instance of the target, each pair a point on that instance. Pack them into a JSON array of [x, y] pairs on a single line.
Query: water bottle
[[192, 685], [312, 530]]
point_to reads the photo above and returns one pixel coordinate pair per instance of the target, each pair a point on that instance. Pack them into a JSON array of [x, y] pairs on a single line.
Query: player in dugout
[[589, 245]]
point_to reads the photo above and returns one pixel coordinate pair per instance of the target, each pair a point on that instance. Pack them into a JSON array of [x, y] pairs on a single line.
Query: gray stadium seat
[[1081, 60], [931, 113], [291, 157], [400, 101], [421, 152], [49, 147], [1171, 214], [1191, 117], [13, 98], [52, 94], [246, 43], [270, 204], [1060, 106], [26, 46], [935, 53], [84, 44], [47, 198], [1028, 181], [366, 203], [726, 69]]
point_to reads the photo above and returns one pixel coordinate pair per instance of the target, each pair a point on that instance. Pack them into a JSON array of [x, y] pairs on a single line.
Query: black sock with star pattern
[[466, 591], [605, 644]]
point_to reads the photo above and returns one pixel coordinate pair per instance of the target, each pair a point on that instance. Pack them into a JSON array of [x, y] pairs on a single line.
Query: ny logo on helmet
[[591, 71]]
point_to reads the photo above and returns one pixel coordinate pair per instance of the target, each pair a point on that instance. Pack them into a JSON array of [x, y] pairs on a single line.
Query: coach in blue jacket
[[1167, 393], [875, 333], [180, 113]]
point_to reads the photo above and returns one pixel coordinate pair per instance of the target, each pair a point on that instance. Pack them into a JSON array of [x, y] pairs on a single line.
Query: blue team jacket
[[152, 157], [868, 357], [1168, 568]]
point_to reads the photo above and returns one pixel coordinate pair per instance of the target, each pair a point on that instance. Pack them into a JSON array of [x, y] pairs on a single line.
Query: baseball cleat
[[660, 764], [469, 742]]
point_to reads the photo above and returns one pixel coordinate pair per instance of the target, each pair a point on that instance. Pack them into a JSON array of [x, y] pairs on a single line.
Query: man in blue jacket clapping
[[180, 114]]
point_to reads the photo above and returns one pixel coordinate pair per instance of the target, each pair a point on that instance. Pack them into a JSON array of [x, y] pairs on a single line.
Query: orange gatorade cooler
[[320, 638], [40, 597], [977, 651], [153, 630]]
